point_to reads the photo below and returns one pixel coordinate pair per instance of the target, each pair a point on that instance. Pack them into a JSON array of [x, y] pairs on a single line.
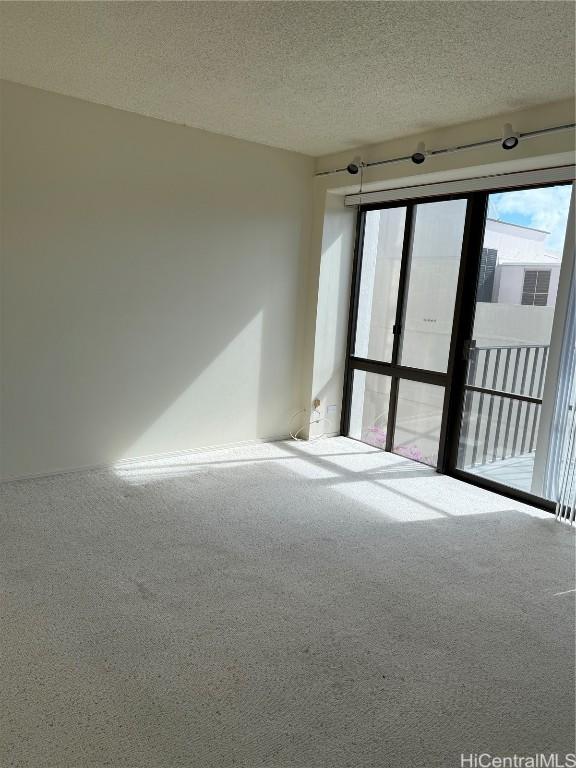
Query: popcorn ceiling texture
[[286, 605], [315, 77]]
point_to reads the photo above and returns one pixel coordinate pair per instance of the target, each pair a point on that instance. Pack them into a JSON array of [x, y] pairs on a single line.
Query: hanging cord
[[294, 435]]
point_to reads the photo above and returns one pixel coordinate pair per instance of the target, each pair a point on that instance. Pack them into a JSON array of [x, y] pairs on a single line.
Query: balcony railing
[[503, 402]]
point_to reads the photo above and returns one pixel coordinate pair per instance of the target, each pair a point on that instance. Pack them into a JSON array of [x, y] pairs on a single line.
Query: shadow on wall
[[154, 285], [332, 303]]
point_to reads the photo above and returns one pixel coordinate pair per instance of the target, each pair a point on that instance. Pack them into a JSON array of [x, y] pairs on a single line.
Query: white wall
[[508, 280], [515, 243], [153, 285], [333, 293], [506, 324], [432, 284], [381, 259]]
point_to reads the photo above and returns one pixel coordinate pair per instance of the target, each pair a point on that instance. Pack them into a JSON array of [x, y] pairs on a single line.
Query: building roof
[[517, 245]]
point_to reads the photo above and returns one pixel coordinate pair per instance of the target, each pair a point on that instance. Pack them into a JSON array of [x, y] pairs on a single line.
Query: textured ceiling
[[316, 77]]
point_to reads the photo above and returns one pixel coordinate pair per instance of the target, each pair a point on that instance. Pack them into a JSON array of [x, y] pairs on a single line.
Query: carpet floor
[[285, 605]]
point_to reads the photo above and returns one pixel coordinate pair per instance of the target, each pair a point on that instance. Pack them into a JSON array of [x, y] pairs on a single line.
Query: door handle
[[468, 350]]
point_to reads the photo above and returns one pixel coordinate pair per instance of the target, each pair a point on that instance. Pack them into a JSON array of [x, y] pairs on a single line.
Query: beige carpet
[[280, 606]]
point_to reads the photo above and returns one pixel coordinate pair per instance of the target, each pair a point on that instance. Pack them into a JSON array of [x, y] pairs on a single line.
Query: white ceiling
[[315, 77]]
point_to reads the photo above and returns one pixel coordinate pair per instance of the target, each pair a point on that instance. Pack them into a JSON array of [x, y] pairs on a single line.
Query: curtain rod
[[458, 148]]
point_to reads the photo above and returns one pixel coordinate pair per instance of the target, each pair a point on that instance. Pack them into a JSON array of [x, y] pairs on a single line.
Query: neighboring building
[[517, 289], [516, 266]]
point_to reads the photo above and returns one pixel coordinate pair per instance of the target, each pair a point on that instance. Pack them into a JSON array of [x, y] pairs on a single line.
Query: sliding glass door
[[514, 310], [454, 319]]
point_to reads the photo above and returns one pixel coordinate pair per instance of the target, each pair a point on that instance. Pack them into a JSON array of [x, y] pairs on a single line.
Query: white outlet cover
[[332, 409]]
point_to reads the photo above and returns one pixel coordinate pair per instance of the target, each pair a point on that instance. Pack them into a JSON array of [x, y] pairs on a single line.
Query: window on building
[[486, 276], [536, 287]]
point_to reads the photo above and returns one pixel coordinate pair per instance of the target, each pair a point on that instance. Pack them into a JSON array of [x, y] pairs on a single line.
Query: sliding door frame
[[454, 379], [393, 369]]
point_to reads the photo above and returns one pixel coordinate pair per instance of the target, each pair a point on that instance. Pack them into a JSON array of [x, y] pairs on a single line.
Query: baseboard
[[147, 458], [205, 449]]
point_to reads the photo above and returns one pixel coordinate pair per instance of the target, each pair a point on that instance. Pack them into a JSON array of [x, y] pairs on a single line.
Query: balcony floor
[[515, 472]]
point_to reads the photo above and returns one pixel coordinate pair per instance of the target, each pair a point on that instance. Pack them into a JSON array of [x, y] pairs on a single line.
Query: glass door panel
[[418, 421], [369, 408], [407, 281], [514, 313], [432, 283], [379, 281]]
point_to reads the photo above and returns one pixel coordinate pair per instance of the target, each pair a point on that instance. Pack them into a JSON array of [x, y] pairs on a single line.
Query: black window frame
[[454, 379]]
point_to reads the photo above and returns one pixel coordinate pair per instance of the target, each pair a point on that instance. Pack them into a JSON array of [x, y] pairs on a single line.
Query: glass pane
[[369, 408], [514, 314], [498, 438], [418, 421], [525, 232], [381, 259], [432, 283]]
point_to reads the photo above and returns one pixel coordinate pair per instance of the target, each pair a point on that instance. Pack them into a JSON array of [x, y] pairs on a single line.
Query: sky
[[542, 208]]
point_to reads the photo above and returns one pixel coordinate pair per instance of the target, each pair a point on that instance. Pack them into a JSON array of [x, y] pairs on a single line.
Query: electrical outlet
[[332, 409]]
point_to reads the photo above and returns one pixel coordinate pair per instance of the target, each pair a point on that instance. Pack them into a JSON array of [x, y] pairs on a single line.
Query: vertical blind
[[562, 484]]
